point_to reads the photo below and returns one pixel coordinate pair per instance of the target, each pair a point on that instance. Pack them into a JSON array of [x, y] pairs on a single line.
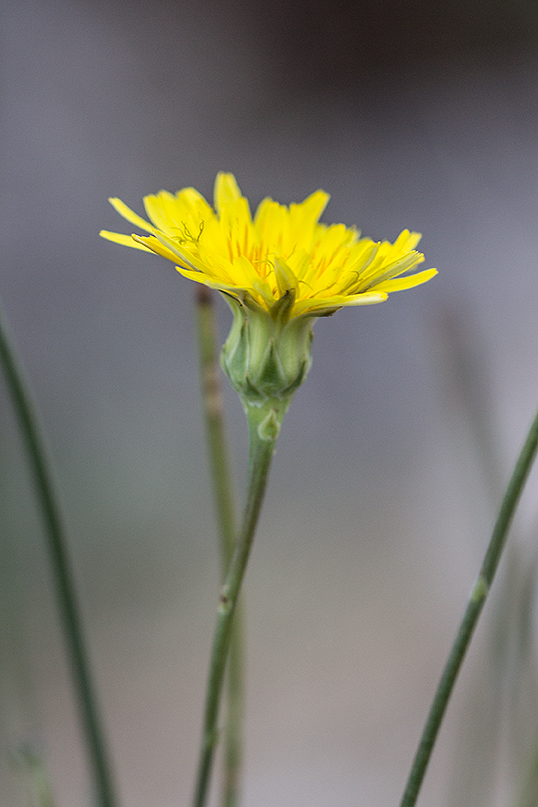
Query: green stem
[[61, 567], [225, 510], [262, 446], [233, 747], [470, 618], [214, 422]]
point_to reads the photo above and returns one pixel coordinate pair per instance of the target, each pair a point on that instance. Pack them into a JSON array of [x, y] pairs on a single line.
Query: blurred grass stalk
[[28, 761], [56, 544], [226, 519], [498, 734], [468, 388]]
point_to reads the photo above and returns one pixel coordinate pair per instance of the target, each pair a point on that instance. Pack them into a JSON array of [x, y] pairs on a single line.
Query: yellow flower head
[[281, 252]]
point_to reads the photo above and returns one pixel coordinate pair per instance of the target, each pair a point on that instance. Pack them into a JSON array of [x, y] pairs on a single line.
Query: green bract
[[267, 356]]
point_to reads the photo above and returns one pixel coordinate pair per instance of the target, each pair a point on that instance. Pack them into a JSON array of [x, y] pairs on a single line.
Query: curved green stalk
[[470, 618], [262, 446], [225, 510], [62, 576]]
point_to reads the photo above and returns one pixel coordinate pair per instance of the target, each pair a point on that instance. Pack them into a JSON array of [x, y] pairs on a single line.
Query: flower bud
[[267, 355]]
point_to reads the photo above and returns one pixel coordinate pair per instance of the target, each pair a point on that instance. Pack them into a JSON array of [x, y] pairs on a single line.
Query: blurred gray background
[[411, 115]]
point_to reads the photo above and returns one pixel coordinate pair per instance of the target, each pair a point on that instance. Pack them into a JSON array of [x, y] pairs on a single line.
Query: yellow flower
[[282, 252]]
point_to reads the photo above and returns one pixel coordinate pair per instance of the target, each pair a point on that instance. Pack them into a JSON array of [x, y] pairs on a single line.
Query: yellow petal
[[406, 282], [178, 251], [226, 191], [407, 240], [200, 277], [160, 210], [285, 279], [124, 240], [367, 298], [398, 267], [284, 248], [129, 214], [340, 301], [154, 245], [304, 216]]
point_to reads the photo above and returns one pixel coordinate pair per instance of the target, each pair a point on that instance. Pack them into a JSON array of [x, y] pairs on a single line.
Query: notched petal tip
[[226, 191]]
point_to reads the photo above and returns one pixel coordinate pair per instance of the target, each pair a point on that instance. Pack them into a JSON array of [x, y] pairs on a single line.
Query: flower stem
[[225, 510], [262, 446], [471, 615], [61, 568]]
